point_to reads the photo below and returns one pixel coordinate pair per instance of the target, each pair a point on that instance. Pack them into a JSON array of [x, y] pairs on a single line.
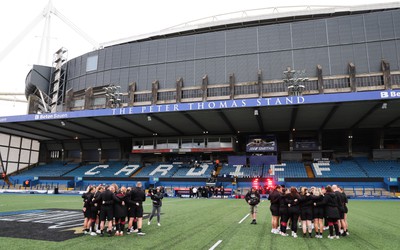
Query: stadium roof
[[377, 114], [255, 17]]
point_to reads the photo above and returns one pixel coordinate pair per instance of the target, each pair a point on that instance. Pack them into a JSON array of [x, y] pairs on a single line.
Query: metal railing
[[192, 93], [367, 81], [337, 83], [247, 89], [331, 84]]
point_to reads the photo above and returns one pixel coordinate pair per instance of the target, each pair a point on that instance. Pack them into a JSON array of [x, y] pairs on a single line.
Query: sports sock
[[331, 230], [336, 229]]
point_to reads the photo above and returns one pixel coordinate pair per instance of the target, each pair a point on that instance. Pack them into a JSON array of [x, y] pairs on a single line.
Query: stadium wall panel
[[332, 42]]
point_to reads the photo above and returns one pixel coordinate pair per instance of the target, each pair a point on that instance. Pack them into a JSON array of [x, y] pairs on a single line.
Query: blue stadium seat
[[242, 171], [109, 169], [54, 169], [158, 170], [345, 168], [379, 168], [285, 170], [184, 171]]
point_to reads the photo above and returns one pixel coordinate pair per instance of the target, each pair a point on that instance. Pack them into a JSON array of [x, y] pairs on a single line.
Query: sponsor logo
[[45, 224], [51, 116], [390, 94], [49, 224]]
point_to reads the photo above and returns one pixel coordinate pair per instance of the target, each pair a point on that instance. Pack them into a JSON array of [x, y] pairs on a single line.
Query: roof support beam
[[25, 134], [227, 122], [387, 125], [136, 124], [67, 129], [167, 124], [196, 123], [370, 111], [329, 116], [91, 128], [40, 133], [113, 126]]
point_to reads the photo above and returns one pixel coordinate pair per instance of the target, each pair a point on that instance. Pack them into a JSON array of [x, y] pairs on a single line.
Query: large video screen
[[261, 143]]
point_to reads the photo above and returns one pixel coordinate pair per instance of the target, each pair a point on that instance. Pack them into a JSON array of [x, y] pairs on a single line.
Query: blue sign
[[210, 105]]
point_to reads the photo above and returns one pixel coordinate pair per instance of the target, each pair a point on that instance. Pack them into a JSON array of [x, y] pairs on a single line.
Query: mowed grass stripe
[[199, 224]]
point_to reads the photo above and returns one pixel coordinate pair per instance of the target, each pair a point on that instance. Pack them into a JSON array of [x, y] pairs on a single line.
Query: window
[[91, 63], [55, 154]]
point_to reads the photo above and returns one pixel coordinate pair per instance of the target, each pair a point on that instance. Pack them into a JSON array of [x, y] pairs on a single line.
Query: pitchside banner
[[224, 104], [261, 143]]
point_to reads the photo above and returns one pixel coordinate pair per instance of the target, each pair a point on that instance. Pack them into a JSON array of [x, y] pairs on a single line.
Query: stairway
[[138, 171], [310, 172], [218, 170]]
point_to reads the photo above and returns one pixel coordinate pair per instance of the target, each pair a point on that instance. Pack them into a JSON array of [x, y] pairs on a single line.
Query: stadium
[[303, 97]]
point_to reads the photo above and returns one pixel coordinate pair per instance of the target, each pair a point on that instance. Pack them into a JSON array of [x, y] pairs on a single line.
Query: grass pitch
[[200, 224]]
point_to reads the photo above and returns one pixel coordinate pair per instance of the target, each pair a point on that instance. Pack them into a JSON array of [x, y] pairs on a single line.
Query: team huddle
[[317, 209], [117, 206]]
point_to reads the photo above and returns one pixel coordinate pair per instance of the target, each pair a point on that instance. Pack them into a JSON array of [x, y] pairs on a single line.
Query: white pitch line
[[215, 245], [243, 218]]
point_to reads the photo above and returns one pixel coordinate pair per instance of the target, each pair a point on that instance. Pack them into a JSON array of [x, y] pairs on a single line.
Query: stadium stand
[[158, 170], [204, 170], [284, 170], [54, 169], [241, 171], [345, 168], [379, 168], [109, 169]]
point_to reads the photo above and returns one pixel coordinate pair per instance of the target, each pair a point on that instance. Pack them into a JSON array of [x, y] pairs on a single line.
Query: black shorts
[[87, 213], [341, 214], [106, 212], [136, 211], [346, 210], [306, 214], [274, 209], [318, 213], [93, 213]]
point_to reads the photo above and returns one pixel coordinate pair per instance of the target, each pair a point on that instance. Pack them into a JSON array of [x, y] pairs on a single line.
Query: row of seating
[[346, 168], [118, 169], [109, 169], [380, 168], [175, 170], [54, 169], [289, 169], [357, 167], [241, 170]]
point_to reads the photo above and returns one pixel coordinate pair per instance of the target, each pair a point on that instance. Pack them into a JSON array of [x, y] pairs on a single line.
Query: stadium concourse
[[297, 98]]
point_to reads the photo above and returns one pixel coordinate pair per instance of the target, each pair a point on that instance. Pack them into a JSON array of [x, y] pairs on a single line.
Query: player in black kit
[[137, 197], [292, 200], [318, 213], [274, 198], [283, 211], [107, 200], [330, 204], [306, 211], [87, 201], [121, 211]]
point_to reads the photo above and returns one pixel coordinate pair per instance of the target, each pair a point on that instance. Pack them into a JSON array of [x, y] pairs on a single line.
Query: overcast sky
[[104, 21]]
